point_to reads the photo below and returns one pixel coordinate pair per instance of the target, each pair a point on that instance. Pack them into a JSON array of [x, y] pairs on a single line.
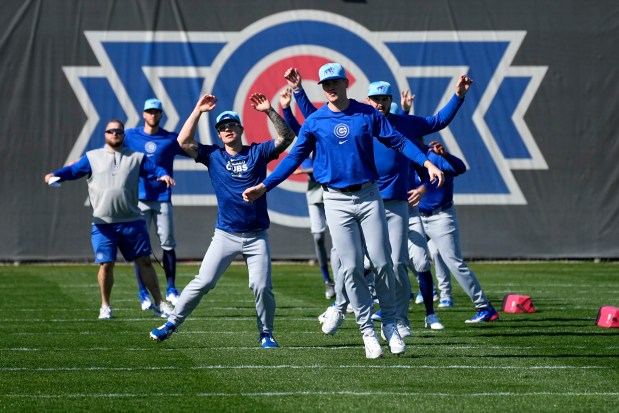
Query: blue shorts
[[130, 237]]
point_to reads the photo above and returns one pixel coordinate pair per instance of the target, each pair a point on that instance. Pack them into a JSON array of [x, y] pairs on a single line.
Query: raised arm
[[185, 139], [284, 102], [285, 135], [406, 101], [452, 164], [293, 77], [464, 83]]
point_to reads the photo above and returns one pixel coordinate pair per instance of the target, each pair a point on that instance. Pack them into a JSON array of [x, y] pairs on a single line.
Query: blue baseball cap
[[393, 108], [226, 117], [152, 104], [331, 71], [379, 88]]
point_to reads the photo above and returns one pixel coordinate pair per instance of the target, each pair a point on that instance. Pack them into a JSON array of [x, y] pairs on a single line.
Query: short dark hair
[[117, 121]]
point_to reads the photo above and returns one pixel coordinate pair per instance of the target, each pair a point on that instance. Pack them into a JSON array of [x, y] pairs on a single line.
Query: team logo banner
[[489, 133]]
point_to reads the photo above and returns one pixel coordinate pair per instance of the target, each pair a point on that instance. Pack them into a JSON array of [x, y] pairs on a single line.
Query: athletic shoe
[[404, 330], [419, 299], [322, 317], [487, 314], [349, 309], [377, 316], [145, 301], [164, 310], [375, 300], [267, 341], [433, 322], [105, 312], [333, 320], [329, 290], [445, 303], [391, 335], [164, 332], [172, 296], [373, 350]]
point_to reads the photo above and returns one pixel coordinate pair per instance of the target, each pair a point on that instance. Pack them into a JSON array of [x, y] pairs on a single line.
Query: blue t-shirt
[[230, 176], [434, 198], [343, 145], [160, 148]]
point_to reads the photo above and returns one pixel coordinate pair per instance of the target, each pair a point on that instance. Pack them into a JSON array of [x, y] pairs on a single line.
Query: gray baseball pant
[[353, 216], [225, 246], [442, 228]]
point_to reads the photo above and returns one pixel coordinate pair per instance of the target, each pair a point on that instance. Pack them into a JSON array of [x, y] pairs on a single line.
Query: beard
[[115, 144]]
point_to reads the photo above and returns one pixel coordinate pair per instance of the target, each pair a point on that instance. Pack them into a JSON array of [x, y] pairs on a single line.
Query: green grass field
[[56, 356]]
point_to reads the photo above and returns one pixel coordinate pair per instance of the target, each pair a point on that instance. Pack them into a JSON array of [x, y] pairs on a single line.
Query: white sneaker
[[333, 320], [322, 317], [349, 309], [105, 313], [404, 330], [391, 334], [373, 350], [164, 310], [433, 322]]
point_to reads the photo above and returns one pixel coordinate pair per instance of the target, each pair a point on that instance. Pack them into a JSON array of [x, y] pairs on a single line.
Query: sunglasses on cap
[[227, 125], [115, 131]]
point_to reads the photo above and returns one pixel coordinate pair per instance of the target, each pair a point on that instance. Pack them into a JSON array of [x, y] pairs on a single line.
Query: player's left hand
[[260, 102], [169, 181], [253, 193], [464, 83]]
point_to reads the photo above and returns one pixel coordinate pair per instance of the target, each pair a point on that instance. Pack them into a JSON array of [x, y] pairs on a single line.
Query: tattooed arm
[[285, 134]]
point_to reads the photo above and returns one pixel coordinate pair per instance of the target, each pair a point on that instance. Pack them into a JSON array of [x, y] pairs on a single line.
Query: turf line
[[309, 393], [299, 367]]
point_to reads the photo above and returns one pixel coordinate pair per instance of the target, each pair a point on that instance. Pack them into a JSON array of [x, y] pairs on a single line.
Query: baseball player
[[114, 172], [241, 227], [160, 146], [341, 135], [440, 223], [315, 204], [393, 182]]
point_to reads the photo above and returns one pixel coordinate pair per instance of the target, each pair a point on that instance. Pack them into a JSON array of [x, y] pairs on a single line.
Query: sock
[[426, 286], [141, 286], [325, 274], [169, 266]]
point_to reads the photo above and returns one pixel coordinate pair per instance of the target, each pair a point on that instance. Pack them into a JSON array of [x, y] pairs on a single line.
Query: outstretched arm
[[285, 134], [72, 171], [185, 139]]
